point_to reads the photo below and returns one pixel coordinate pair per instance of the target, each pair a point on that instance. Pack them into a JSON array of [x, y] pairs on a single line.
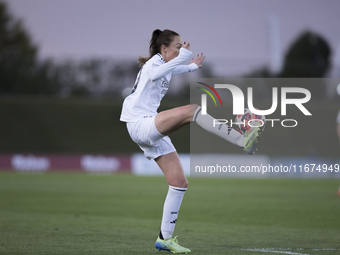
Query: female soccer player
[[150, 129]]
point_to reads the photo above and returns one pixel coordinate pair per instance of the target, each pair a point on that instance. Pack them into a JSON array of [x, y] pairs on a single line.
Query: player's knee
[[185, 183], [180, 183], [187, 113], [193, 108]]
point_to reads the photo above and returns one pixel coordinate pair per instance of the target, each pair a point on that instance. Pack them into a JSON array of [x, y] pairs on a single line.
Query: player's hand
[[199, 58], [186, 45]]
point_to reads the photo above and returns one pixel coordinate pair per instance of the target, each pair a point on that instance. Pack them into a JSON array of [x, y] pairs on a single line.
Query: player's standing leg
[[178, 183], [166, 123]]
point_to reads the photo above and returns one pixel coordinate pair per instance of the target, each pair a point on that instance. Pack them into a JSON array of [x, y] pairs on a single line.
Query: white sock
[[222, 130], [170, 211]]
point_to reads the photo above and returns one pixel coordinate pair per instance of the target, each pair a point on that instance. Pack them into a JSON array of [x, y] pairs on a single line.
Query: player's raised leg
[[222, 130], [169, 121], [247, 142]]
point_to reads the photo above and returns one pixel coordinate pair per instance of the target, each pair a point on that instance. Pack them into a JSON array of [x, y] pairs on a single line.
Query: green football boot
[[251, 138], [171, 245]]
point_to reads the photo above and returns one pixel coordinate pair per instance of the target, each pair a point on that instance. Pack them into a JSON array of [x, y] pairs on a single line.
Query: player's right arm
[[163, 69], [195, 64]]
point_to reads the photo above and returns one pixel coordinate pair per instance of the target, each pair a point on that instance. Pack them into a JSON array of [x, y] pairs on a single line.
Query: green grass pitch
[[66, 213]]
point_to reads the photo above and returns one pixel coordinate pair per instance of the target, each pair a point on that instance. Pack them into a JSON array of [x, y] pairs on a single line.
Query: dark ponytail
[[158, 39]]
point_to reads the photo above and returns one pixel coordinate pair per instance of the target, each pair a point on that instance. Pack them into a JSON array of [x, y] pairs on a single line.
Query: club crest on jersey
[[165, 86]]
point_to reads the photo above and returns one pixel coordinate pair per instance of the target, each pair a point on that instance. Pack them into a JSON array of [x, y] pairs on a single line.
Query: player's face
[[173, 50]]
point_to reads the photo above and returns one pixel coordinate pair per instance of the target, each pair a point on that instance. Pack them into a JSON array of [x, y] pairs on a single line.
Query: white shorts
[[146, 135]]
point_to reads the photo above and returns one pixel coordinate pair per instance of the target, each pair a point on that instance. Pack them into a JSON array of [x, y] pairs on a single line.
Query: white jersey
[[152, 84]]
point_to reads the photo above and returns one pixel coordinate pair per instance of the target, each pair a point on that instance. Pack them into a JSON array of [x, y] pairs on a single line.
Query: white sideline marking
[[324, 249], [284, 252]]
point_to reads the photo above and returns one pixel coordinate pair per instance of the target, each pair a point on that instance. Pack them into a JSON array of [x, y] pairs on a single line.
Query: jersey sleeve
[[184, 69], [160, 70]]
